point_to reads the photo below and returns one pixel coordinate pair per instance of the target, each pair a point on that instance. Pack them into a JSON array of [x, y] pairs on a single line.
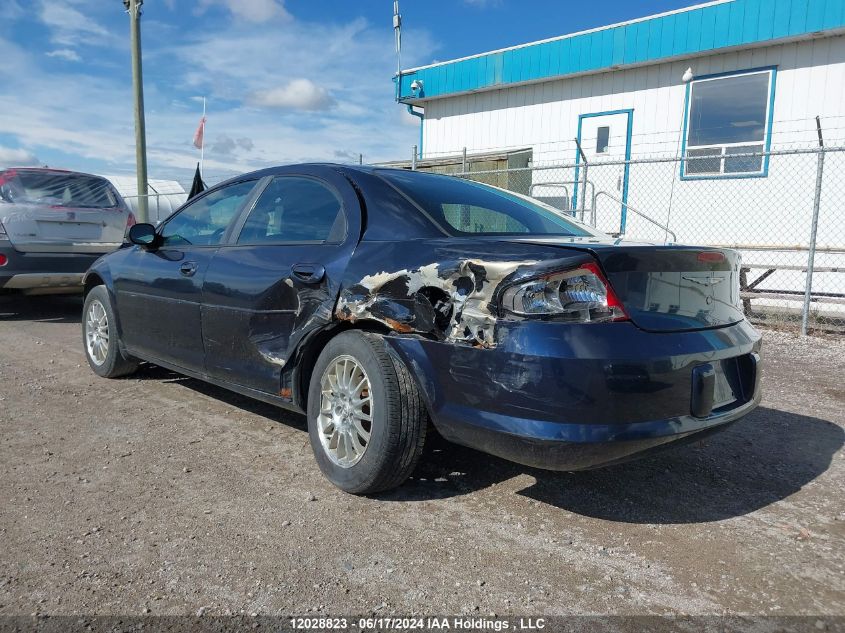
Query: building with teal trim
[[711, 83], [709, 88]]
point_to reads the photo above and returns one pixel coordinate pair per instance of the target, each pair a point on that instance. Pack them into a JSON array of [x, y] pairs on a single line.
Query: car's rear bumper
[[572, 397], [44, 271]]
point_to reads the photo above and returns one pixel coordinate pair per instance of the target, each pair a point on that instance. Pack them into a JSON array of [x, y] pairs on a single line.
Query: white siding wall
[[771, 210], [810, 82]]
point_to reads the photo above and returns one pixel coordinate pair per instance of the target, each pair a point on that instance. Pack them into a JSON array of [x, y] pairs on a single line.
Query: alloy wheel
[[97, 332], [345, 420]]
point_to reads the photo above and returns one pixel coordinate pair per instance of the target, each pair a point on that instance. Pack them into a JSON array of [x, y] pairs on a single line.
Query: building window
[[728, 115], [602, 139]]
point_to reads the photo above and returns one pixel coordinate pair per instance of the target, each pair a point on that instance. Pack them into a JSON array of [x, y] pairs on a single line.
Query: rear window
[[461, 207], [56, 189]]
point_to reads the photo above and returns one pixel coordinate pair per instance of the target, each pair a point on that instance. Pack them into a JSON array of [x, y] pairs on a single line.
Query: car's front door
[[159, 291], [278, 278]]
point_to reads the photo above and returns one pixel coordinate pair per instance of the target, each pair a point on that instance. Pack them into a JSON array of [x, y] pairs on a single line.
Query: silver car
[[53, 225]]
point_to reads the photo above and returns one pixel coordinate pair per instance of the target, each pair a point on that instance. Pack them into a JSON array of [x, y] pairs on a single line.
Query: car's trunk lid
[[667, 288]]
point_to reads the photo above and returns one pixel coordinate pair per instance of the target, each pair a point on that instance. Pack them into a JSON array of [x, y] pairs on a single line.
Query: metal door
[[604, 137]]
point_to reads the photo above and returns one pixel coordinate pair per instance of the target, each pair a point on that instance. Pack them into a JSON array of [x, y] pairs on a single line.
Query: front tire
[[100, 339], [366, 418]]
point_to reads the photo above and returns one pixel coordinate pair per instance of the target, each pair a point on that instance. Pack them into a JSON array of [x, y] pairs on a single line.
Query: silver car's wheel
[[97, 332], [345, 421]]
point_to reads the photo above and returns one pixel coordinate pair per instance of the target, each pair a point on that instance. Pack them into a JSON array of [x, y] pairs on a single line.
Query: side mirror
[[143, 235]]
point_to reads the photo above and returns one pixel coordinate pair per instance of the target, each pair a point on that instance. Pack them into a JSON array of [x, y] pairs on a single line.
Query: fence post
[[414, 157], [464, 162], [805, 312]]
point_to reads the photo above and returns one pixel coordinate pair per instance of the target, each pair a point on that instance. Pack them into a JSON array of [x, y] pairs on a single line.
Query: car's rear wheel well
[[310, 352], [441, 303]]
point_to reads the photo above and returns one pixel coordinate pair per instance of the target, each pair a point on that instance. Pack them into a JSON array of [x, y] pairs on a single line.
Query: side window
[[294, 209], [602, 139], [728, 115], [204, 222]]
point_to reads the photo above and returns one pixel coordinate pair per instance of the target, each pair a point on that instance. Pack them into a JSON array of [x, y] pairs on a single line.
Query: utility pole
[[133, 7]]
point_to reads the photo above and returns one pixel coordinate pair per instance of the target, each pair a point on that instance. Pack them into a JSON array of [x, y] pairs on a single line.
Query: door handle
[[188, 268], [308, 273]]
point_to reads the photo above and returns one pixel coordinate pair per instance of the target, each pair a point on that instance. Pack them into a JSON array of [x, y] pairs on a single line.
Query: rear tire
[[361, 397], [100, 339]]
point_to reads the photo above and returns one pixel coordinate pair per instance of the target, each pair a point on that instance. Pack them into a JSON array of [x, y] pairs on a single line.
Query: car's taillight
[[580, 295], [130, 220], [3, 259], [3, 235]]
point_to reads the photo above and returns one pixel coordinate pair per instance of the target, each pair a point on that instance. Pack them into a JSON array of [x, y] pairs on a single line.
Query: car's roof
[[50, 170], [342, 167]]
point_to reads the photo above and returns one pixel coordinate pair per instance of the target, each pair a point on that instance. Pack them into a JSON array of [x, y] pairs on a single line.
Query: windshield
[[462, 207], [58, 189]]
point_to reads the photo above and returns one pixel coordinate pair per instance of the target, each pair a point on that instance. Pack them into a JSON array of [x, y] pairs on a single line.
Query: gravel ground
[[160, 494]]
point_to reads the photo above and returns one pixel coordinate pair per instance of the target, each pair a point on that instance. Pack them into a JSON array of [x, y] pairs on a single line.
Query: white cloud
[[251, 10], [65, 53], [346, 156], [70, 27], [299, 94], [90, 127], [227, 145], [16, 157]]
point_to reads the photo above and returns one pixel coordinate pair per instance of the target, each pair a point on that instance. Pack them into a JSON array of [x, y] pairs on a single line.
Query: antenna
[[397, 32]]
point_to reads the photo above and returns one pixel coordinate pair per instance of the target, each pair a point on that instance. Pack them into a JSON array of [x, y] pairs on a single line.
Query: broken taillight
[[3, 235], [580, 295]]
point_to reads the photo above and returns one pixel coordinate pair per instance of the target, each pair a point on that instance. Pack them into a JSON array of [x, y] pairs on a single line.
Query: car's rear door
[[278, 278], [159, 291]]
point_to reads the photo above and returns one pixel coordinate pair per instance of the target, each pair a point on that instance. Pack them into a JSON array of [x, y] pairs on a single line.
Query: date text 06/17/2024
[[417, 623]]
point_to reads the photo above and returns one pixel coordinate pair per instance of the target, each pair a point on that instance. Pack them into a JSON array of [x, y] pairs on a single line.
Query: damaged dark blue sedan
[[375, 300]]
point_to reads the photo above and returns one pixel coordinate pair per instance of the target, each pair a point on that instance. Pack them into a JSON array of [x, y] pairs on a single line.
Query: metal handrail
[[639, 213], [552, 184], [582, 210], [549, 184]]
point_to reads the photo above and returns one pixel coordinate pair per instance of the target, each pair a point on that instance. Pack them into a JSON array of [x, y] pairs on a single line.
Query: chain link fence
[[788, 221]]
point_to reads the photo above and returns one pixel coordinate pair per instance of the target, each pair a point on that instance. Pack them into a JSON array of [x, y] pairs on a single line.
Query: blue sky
[[286, 80]]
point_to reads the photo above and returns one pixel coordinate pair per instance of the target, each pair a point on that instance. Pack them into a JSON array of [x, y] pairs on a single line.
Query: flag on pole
[[198, 135], [198, 186]]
